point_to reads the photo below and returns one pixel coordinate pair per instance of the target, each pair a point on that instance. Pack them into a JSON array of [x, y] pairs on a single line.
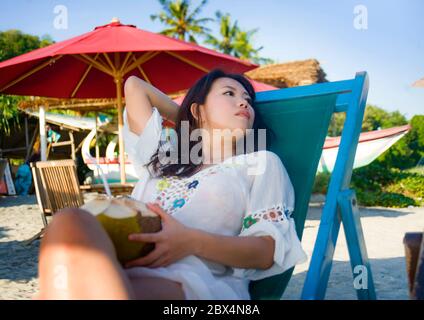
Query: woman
[[226, 215]]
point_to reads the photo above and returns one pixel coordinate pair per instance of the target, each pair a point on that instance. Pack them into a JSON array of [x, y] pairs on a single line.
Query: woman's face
[[227, 106]]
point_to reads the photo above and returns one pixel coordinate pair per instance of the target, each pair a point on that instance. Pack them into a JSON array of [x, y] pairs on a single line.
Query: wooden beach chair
[[297, 121], [56, 187]]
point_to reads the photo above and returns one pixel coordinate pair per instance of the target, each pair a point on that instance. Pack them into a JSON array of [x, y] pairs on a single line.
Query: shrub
[[384, 199], [412, 185], [377, 185], [321, 182], [408, 151]]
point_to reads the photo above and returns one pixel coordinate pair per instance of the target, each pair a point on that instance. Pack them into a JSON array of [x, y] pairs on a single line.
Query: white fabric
[[245, 195]]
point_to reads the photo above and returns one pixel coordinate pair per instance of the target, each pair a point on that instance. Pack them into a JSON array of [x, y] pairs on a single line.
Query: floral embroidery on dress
[[193, 184], [174, 193], [277, 213], [248, 221], [162, 184], [179, 203]]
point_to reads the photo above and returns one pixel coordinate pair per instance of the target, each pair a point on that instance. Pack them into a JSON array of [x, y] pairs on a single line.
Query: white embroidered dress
[[245, 195]]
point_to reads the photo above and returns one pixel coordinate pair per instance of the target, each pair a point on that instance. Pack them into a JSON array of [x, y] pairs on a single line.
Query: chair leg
[[341, 210], [39, 234], [356, 245], [34, 237], [318, 274], [44, 218]]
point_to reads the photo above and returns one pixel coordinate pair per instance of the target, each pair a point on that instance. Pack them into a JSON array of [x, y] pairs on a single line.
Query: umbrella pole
[[97, 147], [118, 82], [43, 140]]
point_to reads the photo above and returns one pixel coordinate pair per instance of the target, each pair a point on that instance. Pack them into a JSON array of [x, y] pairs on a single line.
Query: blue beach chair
[[297, 121]]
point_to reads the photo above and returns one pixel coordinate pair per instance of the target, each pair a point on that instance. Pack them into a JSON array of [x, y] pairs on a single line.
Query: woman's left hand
[[172, 243]]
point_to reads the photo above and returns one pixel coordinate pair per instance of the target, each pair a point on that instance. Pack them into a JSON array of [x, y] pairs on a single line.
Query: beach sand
[[383, 228]]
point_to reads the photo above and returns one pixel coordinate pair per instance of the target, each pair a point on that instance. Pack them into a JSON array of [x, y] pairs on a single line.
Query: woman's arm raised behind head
[[140, 97]]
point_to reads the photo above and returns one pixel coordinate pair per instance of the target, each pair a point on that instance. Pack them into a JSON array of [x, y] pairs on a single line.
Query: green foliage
[[14, 43], [391, 180], [412, 184], [377, 118], [336, 124], [227, 32], [321, 182], [235, 41], [417, 123], [377, 185], [373, 177], [181, 21], [9, 114], [405, 153], [418, 169], [374, 118], [408, 151], [384, 199]]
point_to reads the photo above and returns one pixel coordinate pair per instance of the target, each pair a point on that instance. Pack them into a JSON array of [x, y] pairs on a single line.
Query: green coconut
[[121, 217]]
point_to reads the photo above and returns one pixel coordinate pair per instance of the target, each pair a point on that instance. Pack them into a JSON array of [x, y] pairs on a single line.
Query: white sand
[[383, 229]]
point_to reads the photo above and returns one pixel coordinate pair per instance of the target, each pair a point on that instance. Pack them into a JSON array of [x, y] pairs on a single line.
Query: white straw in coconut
[[105, 183]]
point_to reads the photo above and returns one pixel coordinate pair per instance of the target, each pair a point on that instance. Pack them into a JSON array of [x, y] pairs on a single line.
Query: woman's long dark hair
[[197, 94]]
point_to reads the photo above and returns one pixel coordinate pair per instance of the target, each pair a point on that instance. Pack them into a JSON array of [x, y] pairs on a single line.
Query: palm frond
[[166, 4], [203, 20], [192, 39], [198, 9]]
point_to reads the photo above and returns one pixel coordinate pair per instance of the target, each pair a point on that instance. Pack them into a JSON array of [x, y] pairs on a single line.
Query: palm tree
[[228, 33], [235, 41], [182, 24], [244, 49], [9, 113]]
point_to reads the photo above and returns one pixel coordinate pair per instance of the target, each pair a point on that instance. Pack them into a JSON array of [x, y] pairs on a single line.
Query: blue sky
[[390, 49]]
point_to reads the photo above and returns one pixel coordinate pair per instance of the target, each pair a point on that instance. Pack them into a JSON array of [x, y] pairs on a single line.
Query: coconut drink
[[121, 217]]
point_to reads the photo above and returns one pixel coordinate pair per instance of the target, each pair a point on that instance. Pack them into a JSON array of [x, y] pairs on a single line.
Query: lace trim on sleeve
[[276, 213]]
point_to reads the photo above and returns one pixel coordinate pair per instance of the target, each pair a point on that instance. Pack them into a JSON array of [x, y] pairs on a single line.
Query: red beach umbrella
[[95, 65]]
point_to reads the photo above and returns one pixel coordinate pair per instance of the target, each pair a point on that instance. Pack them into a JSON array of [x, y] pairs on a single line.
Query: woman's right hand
[[174, 242]]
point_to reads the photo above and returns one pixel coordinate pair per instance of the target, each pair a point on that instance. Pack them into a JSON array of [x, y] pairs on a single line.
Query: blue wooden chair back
[[297, 121]]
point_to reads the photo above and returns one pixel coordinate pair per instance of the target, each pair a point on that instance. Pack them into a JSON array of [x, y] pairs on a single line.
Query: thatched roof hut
[[78, 105], [290, 74]]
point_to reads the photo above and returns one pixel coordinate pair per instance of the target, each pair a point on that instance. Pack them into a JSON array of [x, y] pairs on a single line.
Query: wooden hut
[[289, 74]]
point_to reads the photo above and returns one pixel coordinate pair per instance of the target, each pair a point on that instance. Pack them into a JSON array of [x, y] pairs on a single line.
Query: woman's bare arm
[[140, 96], [176, 241], [240, 252]]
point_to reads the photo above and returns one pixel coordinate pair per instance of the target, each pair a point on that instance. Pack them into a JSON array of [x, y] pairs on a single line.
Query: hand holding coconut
[[121, 217], [172, 243]]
